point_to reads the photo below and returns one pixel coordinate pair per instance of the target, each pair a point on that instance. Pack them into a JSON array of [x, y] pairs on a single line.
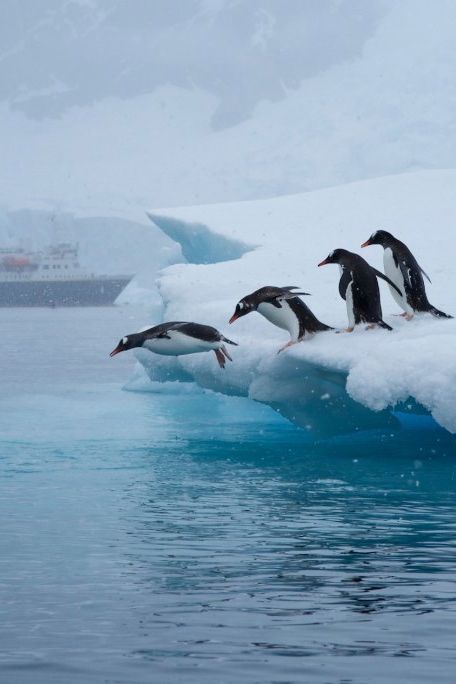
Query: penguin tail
[[384, 325], [225, 339], [318, 326], [438, 313], [322, 327]]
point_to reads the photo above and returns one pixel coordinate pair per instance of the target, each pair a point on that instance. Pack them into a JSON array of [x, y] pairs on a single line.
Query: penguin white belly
[[394, 273], [179, 344], [283, 317], [349, 302]]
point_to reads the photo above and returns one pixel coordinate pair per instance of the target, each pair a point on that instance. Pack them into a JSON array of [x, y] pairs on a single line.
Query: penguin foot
[[220, 358], [345, 330], [288, 344], [225, 352], [404, 314]]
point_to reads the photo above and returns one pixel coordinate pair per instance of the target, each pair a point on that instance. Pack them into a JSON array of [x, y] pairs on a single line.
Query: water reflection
[[286, 548], [220, 545]]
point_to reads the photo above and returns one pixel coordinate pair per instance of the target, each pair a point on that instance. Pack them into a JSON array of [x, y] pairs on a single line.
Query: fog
[[289, 517], [107, 103], [60, 54]]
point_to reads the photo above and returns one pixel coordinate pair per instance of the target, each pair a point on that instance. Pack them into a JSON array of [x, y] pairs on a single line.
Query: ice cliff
[[330, 384]]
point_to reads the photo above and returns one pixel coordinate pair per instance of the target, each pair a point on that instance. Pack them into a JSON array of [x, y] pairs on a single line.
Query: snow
[[384, 103], [330, 383]]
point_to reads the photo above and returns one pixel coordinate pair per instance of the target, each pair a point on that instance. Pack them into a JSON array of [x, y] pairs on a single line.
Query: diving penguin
[[403, 269], [283, 308], [359, 287], [178, 338]]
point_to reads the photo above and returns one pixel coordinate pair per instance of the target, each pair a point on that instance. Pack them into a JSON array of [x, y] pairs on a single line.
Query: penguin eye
[[241, 305], [331, 254], [124, 340]]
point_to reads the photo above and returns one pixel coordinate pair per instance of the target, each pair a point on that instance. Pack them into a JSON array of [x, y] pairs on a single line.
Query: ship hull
[[84, 292]]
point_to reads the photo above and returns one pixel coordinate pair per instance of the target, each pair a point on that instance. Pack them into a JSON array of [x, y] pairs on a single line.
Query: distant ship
[[53, 277]]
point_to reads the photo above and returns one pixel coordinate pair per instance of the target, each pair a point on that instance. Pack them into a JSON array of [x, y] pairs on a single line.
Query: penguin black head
[[380, 237], [337, 256], [243, 307], [127, 342]]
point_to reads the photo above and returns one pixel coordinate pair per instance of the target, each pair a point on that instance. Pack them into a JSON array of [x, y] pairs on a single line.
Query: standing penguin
[[359, 287], [283, 308], [178, 338], [403, 269]]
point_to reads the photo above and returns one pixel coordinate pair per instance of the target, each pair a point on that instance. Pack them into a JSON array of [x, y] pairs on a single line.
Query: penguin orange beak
[[233, 318], [367, 243], [115, 351], [324, 262]]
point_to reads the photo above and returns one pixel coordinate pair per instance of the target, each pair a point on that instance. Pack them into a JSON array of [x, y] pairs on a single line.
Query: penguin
[[403, 269], [359, 287], [282, 307], [178, 338]]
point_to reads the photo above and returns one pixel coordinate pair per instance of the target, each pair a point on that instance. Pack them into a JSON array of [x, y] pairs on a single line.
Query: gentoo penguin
[[282, 307], [403, 269], [178, 338], [359, 287]]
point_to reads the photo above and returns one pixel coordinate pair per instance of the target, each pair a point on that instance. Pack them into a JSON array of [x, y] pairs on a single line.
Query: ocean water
[[185, 537]]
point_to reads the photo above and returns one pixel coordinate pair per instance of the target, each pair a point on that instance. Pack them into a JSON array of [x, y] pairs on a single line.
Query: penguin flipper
[[344, 282], [425, 275], [277, 300], [287, 294], [386, 279], [290, 295]]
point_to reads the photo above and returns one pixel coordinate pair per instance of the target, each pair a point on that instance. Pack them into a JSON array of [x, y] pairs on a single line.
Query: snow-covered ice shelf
[[331, 383]]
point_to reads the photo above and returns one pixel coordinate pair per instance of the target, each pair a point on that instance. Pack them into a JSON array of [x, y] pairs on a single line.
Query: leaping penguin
[[282, 307], [178, 338], [359, 287], [403, 269]]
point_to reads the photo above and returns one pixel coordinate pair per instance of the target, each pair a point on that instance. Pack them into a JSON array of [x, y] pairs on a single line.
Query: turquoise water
[[199, 539]]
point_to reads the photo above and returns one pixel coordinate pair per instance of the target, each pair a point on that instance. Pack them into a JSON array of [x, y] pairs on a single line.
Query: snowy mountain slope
[[90, 50], [331, 383], [319, 94]]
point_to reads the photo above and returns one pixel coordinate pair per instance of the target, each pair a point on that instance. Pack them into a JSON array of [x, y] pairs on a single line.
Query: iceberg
[[329, 384]]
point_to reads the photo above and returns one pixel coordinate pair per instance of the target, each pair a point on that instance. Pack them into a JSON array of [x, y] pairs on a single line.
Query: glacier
[[329, 384]]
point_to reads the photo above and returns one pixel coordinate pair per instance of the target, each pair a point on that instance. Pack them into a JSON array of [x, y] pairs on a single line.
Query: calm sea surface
[[186, 537]]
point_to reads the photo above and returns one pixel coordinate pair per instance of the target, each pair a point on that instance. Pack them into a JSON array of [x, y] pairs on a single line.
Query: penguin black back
[[285, 299], [308, 322], [358, 286], [402, 267]]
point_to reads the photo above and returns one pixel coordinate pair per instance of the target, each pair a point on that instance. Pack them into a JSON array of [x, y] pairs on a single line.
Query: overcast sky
[[170, 102], [58, 53]]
